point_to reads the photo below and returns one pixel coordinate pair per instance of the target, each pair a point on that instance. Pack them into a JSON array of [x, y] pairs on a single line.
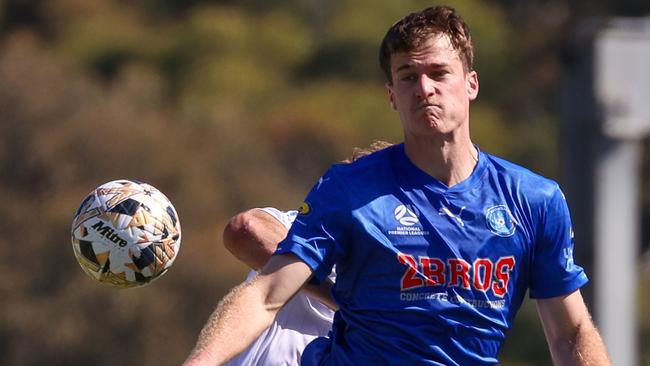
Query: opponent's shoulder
[[524, 180]]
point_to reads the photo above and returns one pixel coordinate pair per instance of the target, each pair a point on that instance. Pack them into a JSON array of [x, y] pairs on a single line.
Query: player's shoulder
[[522, 179]]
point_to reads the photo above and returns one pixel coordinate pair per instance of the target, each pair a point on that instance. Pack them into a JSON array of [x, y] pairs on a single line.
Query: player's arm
[[247, 310], [323, 293], [252, 237], [570, 333]]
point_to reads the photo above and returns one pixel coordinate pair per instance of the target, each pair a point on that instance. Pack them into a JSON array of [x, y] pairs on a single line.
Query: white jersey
[[300, 321]]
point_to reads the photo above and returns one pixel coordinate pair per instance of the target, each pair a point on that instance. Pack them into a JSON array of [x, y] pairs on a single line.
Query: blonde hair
[[358, 152]]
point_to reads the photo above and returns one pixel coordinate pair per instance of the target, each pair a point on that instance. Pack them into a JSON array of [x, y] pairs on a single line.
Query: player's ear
[[391, 96], [471, 80]]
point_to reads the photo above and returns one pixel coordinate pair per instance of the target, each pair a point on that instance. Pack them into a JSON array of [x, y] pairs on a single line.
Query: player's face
[[431, 91]]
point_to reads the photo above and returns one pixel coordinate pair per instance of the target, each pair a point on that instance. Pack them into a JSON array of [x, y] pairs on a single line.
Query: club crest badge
[[500, 221]]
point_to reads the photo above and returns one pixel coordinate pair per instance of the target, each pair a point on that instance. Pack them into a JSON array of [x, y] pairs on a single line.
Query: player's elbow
[[244, 237], [238, 229]]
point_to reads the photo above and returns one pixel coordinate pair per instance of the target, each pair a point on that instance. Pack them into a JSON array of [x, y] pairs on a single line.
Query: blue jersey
[[427, 274]]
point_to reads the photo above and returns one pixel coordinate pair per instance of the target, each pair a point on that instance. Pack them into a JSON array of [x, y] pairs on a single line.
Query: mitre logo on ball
[[126, 233]]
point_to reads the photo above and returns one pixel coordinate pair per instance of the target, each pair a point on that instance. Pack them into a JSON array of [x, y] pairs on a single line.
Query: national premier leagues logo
[[500, 221], [407, 215]]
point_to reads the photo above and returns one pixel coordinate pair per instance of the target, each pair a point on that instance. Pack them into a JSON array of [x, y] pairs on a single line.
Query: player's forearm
[[224, 334], [322, 293], [587, 349]]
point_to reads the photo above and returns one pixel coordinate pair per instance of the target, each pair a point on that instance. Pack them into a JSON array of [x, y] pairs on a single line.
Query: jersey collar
[[416, 177]]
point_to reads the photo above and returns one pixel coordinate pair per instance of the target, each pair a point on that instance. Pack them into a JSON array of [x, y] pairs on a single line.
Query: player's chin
[[429, 117], [433, 123], [427, 124]]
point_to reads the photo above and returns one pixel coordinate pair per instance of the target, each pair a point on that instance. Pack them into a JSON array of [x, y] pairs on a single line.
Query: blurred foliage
[[223, 105]]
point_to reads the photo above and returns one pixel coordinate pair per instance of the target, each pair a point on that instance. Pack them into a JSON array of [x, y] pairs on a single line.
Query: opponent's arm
[[247, 310], [252, 237], [571, 335], [323, 293]]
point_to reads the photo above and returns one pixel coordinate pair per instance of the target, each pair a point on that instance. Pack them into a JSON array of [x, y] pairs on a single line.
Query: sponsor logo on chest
[[488, 275]]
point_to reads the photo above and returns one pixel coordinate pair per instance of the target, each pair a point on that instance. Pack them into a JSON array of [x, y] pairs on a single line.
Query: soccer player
[[435, 242], [252, 236]]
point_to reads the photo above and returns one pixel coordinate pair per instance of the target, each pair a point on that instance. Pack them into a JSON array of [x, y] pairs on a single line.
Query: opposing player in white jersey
[[252, 236]]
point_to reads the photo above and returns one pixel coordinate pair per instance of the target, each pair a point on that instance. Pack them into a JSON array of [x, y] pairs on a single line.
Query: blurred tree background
[[225, 105]]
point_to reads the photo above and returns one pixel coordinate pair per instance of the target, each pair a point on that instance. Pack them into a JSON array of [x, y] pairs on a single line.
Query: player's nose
[[426, 86]]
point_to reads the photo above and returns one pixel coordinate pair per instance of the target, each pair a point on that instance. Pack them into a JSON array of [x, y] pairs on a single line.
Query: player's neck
[[449, 161]]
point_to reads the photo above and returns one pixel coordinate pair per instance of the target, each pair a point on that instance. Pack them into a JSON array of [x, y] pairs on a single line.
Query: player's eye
[[408, 78], [438, 74]]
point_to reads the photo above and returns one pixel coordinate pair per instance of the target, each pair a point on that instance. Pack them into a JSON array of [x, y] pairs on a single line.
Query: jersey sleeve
[[284, 217], [320, 228], [554, 272]]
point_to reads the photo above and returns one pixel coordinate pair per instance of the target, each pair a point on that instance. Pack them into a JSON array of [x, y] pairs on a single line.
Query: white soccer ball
[[126, 233]]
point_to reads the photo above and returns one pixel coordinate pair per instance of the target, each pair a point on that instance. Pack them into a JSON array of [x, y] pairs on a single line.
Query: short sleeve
[[284, 217], [320, 229], [554, 271]]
